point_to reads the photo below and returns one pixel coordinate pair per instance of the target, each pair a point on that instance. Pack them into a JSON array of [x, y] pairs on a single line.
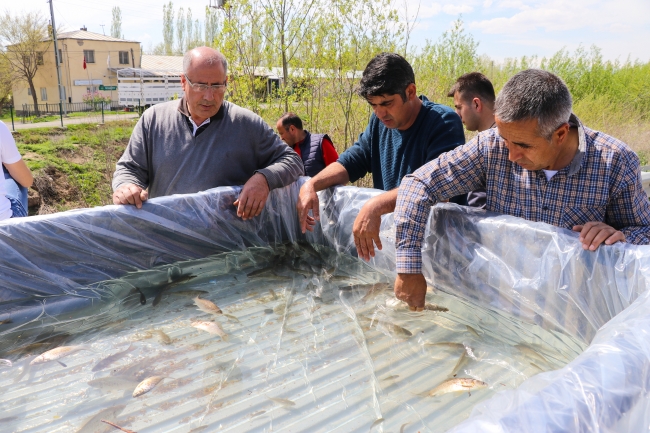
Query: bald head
[[203, 56]]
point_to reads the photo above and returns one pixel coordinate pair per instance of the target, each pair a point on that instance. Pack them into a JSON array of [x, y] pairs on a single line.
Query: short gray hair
[[535, 94], [210, 59]]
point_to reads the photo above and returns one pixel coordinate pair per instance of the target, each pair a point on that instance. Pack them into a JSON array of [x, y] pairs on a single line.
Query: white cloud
[[457, 9], [430, 10], [487, 3]]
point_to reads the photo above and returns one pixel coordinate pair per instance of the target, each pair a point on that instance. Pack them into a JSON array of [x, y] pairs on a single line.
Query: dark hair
[[535, 94], [386, 74], [289, 119], [473, 85]]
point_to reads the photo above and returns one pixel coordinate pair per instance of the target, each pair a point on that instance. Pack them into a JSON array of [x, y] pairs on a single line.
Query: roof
[[88, 36], [166, 63]]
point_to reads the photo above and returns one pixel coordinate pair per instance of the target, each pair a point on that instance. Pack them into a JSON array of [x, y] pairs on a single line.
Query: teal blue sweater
[[391, 154]]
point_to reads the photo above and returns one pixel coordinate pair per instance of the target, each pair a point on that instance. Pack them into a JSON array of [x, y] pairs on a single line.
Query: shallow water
[[315, 342]]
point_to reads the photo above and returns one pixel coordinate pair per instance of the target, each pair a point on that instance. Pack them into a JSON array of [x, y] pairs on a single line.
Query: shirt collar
[[182, 108], [576, 162]]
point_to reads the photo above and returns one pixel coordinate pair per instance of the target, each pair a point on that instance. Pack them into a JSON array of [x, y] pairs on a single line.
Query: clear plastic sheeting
[[308, 337]]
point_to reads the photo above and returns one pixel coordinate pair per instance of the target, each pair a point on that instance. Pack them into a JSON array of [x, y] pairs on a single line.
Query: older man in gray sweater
[[202, 142]]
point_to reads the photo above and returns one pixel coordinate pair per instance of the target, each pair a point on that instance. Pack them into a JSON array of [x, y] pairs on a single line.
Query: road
[[71, 121]]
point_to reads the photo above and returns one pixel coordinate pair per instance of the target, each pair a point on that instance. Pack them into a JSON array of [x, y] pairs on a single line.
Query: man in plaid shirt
[[541, 164]]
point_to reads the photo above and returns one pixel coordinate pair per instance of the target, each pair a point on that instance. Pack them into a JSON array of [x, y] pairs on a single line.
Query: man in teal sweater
[[405, 132]]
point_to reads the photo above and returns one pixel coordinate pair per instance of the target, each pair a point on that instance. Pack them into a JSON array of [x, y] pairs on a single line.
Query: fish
[[376, 423], [125, 430], [396, 331], [434, 307], [273, 295], [268, 311], [282, 401], [210, 327], [280, 309], [175, 281], [6, 321], [113, 383], [55, 354], [258, 413], [531, 353], [6, 362], [207, 306], [193, 293], [231, 317], [460, 364], [164, 338], [391, 377], [198, 429], [457, 385], [112, 358], [447, 344], [472, 331], [259, 272], [146, 385], [94, 423]]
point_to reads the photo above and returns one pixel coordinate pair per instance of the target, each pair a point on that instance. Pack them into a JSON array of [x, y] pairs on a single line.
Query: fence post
[[11, 110], [61, 112], [102, 112]]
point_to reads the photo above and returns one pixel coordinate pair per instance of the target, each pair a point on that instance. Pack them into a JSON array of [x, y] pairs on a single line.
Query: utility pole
[[102, 25], [57, 60]]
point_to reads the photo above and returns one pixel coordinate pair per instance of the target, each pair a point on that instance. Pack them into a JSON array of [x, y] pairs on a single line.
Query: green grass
[[81, 158]]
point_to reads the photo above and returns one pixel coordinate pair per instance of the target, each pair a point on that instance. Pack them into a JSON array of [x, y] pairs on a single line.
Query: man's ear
[[411, 92], [562, 133], [477, 104]]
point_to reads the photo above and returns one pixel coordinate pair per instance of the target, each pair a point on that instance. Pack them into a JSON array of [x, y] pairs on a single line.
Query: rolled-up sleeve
[[453, 173]]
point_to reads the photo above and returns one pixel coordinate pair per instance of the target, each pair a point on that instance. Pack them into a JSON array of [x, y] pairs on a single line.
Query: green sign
[[102, 87]]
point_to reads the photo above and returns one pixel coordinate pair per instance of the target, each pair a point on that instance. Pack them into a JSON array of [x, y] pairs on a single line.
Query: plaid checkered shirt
[[602, 183]]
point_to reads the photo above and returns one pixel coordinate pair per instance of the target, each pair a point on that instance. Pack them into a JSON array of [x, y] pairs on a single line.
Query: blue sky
[[504, 28]]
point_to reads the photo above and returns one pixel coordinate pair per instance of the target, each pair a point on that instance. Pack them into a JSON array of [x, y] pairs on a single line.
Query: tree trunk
[[34, 98]]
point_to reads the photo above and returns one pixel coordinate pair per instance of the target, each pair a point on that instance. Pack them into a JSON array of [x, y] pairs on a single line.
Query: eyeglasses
[[199, 87]]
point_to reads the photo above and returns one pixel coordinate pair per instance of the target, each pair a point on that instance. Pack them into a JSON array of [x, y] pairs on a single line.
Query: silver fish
[[447, 344], [113, 383], [207, 306], [460, 364], [55, 354], [282, 401], [211, 327], [531, 353], [231, 317], [273, 295], [146, 385], [396, 331], [376, 423], [112, 358], [94, 423], [472, 331], [462, 384], [6, 362]]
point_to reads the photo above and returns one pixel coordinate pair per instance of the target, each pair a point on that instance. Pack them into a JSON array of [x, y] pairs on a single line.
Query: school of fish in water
[[298, 338]]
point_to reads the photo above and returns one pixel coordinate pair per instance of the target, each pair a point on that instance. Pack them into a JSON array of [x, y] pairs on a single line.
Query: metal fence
[[27, 110]]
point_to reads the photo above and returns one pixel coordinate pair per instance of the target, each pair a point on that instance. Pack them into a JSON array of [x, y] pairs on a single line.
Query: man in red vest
[[316, 150]]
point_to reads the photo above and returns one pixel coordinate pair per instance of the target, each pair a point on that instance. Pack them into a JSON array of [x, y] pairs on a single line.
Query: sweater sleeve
[[356, 159], [133, 166], [279, 164]]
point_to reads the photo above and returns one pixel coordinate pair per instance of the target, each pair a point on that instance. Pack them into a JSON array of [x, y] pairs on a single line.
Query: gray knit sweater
[[165, 157]]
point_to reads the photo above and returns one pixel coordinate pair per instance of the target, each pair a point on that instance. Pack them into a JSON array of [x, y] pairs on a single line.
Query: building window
[[124, 57], [60, 56], [89, 55], [29, 91], [39, 58], [43, 94]]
